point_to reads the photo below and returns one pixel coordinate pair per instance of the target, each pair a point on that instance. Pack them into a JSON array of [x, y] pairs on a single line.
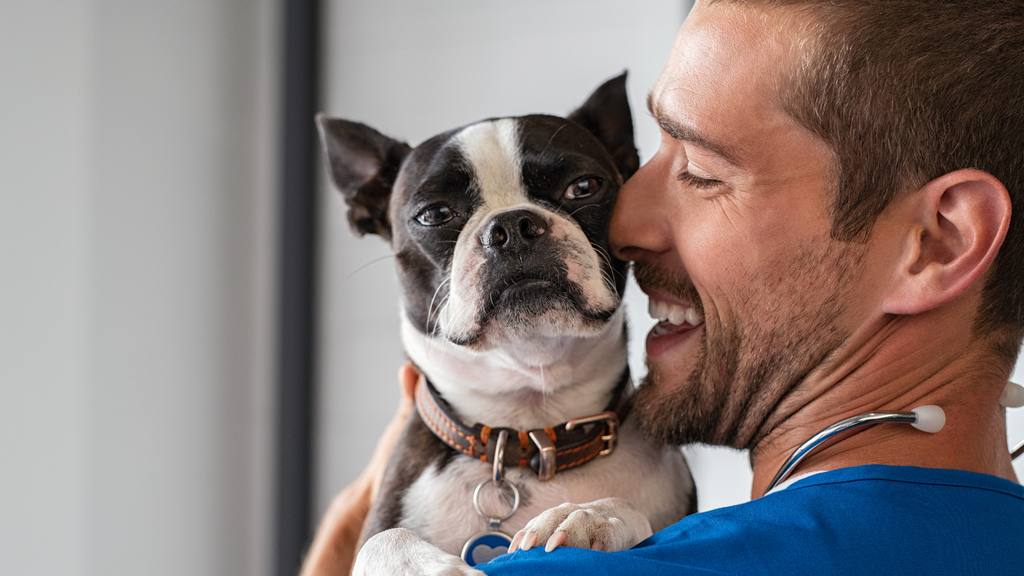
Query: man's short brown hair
[[904, 91]]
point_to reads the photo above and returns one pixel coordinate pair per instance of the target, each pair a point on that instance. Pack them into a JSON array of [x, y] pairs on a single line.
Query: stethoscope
[[927, 418]]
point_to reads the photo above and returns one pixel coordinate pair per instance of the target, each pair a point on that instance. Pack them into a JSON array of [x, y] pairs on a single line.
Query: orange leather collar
[[545, 450]]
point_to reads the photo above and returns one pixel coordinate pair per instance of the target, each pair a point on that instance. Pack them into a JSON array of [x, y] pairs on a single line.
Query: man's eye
[[582, 188], [697, 181], [435, 215]]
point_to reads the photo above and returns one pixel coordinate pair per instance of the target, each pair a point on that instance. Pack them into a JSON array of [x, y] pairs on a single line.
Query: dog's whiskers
[[543, 389], [367, 265], [552, 139], [603, 253], [442, 306], [573, 213], [609, 273], [430, 308]]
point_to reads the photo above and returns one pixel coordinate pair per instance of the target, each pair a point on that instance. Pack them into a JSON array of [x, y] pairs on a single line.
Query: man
[[833, 194]]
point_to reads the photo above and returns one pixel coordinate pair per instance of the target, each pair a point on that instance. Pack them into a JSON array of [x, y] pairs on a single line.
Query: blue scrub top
[[859, 521]]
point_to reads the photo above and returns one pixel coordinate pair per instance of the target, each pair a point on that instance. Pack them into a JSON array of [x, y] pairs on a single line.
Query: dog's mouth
[[526, 289], [527, 294], [520, 301]]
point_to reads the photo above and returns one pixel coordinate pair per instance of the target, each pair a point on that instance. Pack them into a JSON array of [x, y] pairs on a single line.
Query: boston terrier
[[511, 310]]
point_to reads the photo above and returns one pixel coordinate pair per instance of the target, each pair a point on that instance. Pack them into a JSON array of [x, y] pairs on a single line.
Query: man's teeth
[[673, 314]]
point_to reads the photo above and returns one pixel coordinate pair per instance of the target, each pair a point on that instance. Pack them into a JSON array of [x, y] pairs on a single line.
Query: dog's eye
[[582, 188], [435, 215]]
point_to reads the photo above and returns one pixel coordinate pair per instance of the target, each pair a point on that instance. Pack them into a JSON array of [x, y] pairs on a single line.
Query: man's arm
[[334, 547]]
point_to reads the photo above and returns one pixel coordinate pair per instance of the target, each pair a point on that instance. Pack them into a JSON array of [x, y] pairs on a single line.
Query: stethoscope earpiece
[[930, 418], [1012, 396]]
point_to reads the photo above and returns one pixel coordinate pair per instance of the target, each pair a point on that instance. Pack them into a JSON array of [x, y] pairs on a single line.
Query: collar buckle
[[611, 422], [547, 452]]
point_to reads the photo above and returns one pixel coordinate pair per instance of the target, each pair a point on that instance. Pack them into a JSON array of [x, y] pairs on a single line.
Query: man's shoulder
[[849, 521], [859, 497]]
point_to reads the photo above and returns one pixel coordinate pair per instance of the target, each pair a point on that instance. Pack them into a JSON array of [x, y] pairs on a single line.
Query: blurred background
[[143, 165]]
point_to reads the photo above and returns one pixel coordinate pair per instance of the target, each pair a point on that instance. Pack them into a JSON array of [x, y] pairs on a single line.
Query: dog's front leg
[[399, 552], [609, 524]]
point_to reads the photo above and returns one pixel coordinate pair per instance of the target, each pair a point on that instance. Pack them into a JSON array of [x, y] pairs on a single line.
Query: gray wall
[[136, 273]]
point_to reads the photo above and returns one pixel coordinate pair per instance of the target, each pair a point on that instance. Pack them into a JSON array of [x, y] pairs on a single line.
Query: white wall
[[137, 145], [1015, 421]]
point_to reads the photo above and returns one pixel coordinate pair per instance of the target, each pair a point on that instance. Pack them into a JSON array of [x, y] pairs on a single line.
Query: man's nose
[[638, 222]]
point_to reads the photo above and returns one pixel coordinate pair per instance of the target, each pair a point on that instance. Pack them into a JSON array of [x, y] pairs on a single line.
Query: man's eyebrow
[[689, 134]]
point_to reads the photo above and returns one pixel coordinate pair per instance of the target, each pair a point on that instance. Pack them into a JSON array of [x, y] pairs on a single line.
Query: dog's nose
[[513, 230]]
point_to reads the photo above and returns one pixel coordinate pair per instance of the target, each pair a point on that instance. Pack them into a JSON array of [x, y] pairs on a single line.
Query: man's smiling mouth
[[673, 317]]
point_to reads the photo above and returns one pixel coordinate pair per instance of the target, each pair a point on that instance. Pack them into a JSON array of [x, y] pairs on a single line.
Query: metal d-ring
[[497, 470], [498, 466], [494, 521]]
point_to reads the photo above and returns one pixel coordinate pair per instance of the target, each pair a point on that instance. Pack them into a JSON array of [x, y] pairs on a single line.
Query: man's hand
[[609, 524], [334, 547]]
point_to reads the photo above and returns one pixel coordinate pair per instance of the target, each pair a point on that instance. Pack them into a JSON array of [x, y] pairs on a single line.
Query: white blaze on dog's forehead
[[492, 149]]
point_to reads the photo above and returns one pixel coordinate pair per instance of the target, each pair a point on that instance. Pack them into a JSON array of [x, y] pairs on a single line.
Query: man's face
[[730, 219]]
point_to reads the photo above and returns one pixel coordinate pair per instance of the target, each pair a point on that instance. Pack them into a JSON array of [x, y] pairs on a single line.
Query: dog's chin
[[530, 312]]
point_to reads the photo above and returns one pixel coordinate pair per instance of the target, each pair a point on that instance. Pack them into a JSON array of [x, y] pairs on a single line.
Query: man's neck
[[897, 364]]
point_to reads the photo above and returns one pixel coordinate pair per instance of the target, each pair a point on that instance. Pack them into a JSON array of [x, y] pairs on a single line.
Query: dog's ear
[[363, 164], [606, 114]]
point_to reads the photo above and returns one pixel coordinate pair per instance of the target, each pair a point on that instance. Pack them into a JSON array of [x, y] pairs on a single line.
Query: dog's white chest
[[439, 508], [439, 505]]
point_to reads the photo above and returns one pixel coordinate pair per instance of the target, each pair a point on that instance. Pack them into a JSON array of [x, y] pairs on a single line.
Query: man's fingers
[[408, 376]]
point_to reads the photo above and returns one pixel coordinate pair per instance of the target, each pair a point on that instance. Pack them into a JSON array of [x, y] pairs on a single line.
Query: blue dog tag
[[485, 546]]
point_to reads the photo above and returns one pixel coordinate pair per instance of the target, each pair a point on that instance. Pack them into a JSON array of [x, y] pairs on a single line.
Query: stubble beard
[[746, 363]]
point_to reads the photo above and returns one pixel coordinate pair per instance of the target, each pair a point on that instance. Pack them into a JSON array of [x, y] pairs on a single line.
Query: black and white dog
[[511, 310]]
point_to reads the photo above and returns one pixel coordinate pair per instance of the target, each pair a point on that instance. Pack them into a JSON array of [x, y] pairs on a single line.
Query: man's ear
[[363, 164], [607, 116], [956, 225]]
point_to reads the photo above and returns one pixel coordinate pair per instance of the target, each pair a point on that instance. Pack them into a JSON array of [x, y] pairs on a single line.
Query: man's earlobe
[[957, 225]]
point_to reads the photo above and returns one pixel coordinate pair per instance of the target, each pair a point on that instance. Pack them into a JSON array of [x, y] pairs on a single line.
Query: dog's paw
[[609, 524], [399, 552]]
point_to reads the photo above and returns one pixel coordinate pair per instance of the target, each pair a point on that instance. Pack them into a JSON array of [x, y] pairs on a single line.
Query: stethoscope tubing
[[843, 425], [852, 422]]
